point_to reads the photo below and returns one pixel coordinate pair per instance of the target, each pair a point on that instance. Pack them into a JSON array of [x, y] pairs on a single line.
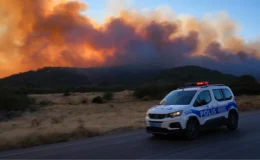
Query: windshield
[[178, 98]]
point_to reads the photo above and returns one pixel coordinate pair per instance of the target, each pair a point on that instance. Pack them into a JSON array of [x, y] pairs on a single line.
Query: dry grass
[[71, 117], [248, 103]]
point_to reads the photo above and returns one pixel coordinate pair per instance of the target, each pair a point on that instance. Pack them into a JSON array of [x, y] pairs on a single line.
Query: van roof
[[199, 87], [189, 88]]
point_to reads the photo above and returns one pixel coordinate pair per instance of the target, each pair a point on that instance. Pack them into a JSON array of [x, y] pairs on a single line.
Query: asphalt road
[[213, 144]]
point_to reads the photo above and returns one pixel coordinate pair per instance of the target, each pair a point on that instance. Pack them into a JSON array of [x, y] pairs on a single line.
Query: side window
[[227, 94], [218, 95], [202, 99]]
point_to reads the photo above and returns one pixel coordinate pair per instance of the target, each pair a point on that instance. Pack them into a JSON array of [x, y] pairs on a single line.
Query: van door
[[229, 101], [201, 106], [220, 104]]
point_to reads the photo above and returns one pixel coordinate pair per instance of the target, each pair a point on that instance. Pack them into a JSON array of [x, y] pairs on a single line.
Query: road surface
[[214, 144]]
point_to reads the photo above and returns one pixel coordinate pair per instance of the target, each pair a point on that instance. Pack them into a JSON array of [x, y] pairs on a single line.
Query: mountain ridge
[[127, 75]]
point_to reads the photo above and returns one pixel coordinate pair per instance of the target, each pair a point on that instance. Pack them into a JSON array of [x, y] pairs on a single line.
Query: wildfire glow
[[38, 33]]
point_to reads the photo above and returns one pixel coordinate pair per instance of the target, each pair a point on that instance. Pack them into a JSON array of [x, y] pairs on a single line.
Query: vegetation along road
[[219, 143]]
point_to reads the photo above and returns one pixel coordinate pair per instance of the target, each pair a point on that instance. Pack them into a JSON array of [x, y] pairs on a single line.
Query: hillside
[[126, 76], [194, 73], [45, 77], [123, 75], [60, 77]]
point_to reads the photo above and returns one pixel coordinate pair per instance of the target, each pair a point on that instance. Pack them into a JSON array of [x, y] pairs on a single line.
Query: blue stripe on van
[[211, 111]]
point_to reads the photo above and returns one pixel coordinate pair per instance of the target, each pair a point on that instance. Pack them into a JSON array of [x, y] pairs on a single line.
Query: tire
[[232, 121], [192, 129]]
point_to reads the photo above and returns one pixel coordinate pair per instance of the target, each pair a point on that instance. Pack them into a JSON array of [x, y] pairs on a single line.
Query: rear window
[[178, 98], [218, 95], [227, 94]]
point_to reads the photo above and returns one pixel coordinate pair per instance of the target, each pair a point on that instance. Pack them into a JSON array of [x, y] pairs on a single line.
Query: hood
[[165, 109]]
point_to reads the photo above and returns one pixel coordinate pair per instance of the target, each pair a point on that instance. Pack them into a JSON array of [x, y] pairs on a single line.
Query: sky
[[222, 35], [245, 12]]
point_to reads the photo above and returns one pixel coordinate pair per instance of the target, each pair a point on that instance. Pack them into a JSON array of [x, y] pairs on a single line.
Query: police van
[[195, 107]]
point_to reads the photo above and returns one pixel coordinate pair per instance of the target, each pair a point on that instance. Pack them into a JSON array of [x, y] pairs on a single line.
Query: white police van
[[196, 106]]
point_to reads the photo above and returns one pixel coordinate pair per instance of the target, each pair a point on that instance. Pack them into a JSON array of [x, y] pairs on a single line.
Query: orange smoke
[[38, 33]]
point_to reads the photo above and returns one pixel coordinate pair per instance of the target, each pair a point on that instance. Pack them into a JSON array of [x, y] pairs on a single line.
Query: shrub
[[247, 79], [97, 99], [35, 123], [45, 102], [146, 98], [246, 89], [35, 139], [84, 101], [13, 101], [245, 84], [108, 95], [56, 120], [66, 94], [13, 114], [32, 100]]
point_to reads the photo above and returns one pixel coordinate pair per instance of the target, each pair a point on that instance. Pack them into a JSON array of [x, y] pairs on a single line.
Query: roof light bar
[[200, 83]]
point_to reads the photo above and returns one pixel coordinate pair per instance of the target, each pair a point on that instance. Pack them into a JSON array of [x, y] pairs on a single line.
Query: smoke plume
[[38, 33]]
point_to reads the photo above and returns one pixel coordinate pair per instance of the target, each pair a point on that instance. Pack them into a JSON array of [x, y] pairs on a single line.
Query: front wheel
[[192, 129], [232, 122]]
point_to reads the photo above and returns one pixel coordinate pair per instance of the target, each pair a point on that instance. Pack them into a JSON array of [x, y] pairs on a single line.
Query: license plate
[[158, 125]]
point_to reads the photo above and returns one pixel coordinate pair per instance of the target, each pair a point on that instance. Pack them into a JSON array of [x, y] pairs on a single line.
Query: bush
[[84, 101], [246, 85], [246, 90], [35, 123], [36, 139], [45, 102], [56, 120], [247, 79], [108, 95], [146, 98], [66, 94], [13, 114], [243, 85], [32, 100], [13, 101], [97, 99]]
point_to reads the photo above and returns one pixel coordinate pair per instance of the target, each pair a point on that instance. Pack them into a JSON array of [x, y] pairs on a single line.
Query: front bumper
[[167, 125], [162, 130]]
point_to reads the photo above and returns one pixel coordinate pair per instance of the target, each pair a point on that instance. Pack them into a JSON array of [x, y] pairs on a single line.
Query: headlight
[[174, 114]]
